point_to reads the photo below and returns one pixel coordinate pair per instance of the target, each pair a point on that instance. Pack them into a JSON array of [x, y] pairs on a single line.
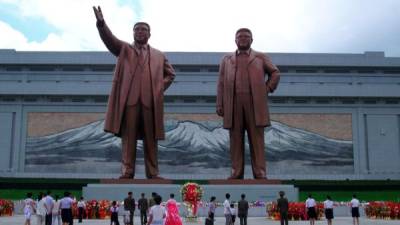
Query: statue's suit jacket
[[258, 65], [162, 75]]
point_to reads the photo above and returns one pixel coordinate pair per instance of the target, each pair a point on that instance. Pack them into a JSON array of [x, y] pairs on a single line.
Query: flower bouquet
[[191, 195]]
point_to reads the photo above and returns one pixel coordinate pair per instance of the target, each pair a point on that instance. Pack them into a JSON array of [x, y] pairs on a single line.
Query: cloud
[[278, 26], [10, 36], [211, 25], [74, 21], [354, 26]]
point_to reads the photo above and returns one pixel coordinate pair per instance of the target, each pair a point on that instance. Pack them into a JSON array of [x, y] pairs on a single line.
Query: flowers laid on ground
[[6, 207], [104, 211], [297, 211], [94, 209], [191, 195], [383, 210]]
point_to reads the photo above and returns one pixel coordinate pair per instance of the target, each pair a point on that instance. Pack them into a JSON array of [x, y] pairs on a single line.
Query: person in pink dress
[[173, 217]]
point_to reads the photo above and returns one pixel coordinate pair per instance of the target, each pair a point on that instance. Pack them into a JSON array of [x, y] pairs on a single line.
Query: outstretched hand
[[98, 13]]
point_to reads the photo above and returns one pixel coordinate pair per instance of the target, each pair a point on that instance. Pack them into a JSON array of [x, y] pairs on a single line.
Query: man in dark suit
[[151, 200], [143, 206], [129, 205], [283, 208], [243, 208], [136, 104]]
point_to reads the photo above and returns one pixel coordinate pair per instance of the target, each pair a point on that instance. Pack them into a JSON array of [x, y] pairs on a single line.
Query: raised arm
[[112, 43]]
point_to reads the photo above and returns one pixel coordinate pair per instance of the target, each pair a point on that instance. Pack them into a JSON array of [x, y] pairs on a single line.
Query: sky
[[287, 26]]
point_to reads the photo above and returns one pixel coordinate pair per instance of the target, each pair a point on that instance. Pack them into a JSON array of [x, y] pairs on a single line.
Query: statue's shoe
[[156, 177], [126, 176], [235, 177]]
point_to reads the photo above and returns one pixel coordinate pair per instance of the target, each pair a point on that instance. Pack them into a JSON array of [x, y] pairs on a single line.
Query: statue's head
[[243, 38], [141, 32]]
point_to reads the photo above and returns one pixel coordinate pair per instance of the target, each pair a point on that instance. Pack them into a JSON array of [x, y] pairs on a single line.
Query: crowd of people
[[49, 210], [54, 211], [311, 209]]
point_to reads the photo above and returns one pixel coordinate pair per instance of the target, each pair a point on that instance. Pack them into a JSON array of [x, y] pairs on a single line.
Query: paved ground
[[19, 220]]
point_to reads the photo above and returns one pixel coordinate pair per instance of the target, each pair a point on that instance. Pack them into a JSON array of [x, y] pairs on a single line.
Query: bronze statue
[[242, 101], [135, 106]]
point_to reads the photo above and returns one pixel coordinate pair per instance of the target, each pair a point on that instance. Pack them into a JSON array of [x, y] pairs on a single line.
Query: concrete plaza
[[19, 219]]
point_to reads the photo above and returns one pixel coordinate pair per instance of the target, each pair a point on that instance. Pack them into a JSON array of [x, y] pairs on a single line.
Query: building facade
[[335, 116]]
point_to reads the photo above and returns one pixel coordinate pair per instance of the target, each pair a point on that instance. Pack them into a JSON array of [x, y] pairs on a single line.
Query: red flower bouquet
[[191, 195]]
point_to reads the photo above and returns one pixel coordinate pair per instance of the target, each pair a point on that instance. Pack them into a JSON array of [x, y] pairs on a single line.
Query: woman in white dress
[[56, 214], [29, 208], [41, 210], [157, 212]]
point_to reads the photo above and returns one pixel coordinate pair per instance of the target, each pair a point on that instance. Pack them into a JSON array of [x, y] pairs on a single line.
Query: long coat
[[258, 65], [161, 72]]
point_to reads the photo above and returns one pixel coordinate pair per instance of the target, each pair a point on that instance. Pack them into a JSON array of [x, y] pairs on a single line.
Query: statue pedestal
[[255, 190]]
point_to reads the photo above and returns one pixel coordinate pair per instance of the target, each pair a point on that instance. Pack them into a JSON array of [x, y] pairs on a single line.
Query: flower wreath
[[192, 193]]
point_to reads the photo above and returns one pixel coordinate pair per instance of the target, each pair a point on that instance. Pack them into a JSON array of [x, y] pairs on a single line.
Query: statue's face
[[243, 40], [141, 33]]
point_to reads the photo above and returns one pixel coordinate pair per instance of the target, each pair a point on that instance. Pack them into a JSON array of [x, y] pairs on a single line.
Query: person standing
[[56, 212], [48, 204], [81, 209], [355, 211], [211, 209], [283, 208], [172, 212], [66, 209], [311, 205], [242, 101], [41, 209], [129, 205], [157, 212], [114, 213], [243, 208], [233, 213], [328, 206], [143, 206], [151, 200], [29, 208], [227, 210], [136, 104]]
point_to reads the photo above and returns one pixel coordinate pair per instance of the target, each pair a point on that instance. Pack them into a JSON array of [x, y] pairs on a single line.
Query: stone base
[[263, 190], [136, 181], [169, 181]]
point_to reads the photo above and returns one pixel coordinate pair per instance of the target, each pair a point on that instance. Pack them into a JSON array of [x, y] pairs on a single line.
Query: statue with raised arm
[[135, 108], [242, 101]]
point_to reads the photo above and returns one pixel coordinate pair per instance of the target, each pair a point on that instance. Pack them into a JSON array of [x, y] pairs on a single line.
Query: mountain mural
[[188, 144]]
